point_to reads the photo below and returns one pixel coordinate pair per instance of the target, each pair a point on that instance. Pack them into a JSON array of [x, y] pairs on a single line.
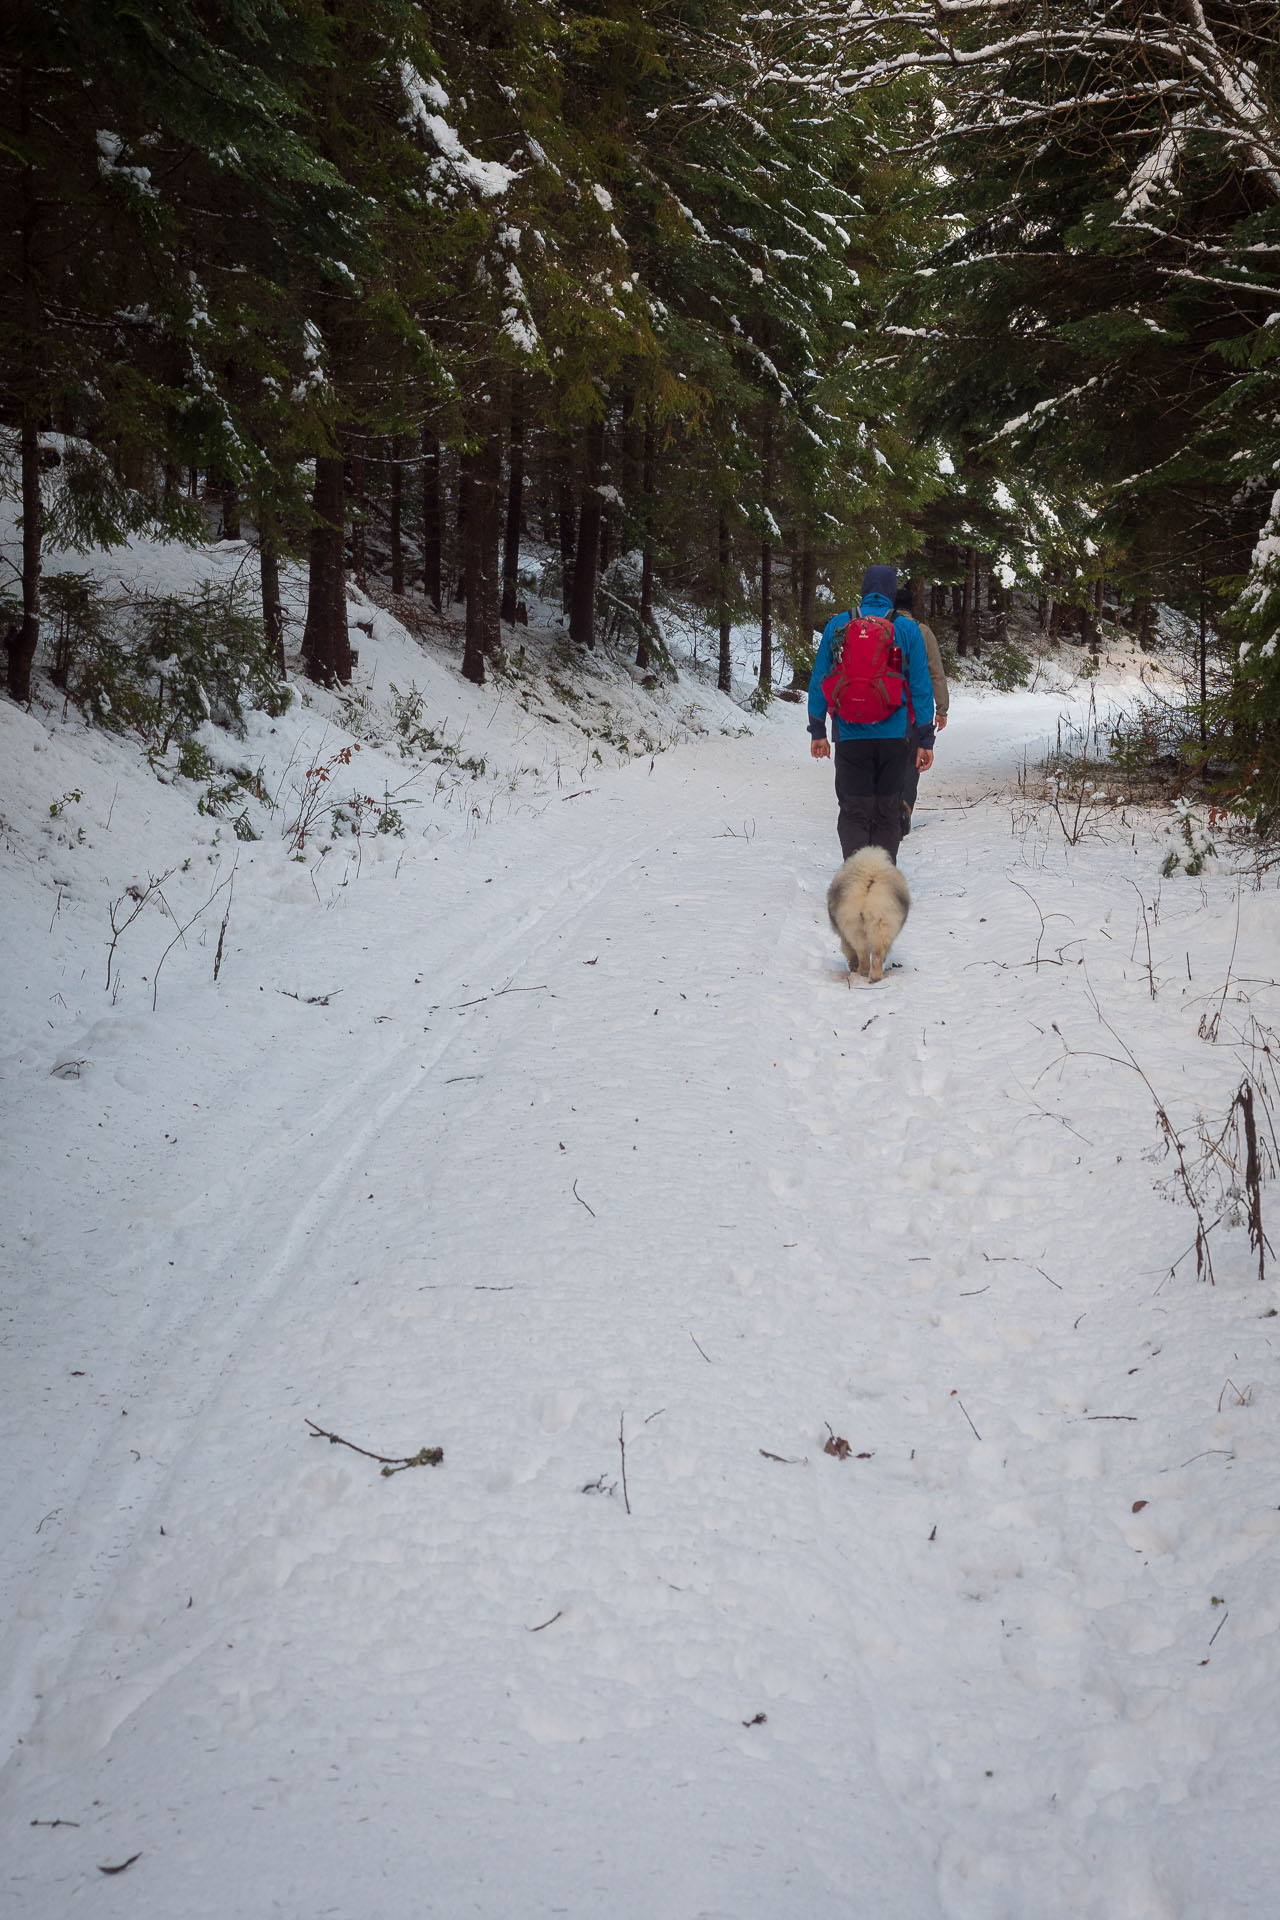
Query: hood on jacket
[[877, 603], [883, 580]]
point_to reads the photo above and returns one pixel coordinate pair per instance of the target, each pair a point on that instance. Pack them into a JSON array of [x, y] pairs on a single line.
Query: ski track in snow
[[593, 1131]]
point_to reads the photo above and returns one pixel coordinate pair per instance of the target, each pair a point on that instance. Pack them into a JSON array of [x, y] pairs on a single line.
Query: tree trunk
[[397, 515], [1089, 634], [631, 456], [1144, 616], [646, 553], [567, 524], [613, 463], [582, 603], [808, 594], [937, 603], [326, 646], [481, 488], [766, 620], [511, 532], [724, 555], [492, 577], [269, 574], [962, 597], [136, 468], [21, 641], [359, 522], [464, 509], [766, 562], [917, 597], [468, 521], [431, 572], [1002, 614], [229, 524]]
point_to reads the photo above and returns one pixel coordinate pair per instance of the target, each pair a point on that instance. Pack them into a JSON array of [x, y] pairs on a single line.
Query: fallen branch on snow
[[425, 1456]]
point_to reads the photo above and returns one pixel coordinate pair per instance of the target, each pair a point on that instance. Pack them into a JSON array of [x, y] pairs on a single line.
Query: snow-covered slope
[[552, 1136]]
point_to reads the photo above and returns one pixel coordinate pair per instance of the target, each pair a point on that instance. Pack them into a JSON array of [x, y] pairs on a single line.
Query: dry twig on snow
[[391, 1463], [622, 1448]]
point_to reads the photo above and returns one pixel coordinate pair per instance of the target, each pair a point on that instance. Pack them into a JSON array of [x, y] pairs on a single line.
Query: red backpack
[[866, 683]]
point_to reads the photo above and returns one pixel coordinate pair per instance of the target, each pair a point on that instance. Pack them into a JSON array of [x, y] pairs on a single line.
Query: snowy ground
[[574, 1132]]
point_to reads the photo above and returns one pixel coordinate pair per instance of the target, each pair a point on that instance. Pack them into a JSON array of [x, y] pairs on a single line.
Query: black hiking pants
[[869, 776]]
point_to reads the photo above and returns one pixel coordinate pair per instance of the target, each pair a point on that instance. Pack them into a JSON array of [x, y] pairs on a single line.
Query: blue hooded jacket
[[916, 666]]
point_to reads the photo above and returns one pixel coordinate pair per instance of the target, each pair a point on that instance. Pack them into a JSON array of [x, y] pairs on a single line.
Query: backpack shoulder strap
[[906, 674]]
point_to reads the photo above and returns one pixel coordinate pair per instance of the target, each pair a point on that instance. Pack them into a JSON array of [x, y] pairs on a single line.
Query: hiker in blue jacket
[[871, 759]]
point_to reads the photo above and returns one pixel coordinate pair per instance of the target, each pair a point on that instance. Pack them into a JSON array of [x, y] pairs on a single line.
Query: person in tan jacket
[[941, 701]]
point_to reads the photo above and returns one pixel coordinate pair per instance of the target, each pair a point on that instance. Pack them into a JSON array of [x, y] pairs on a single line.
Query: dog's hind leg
[[877, 965]]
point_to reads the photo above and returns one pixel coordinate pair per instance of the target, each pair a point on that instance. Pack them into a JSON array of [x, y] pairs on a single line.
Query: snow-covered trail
[[593, 1146]]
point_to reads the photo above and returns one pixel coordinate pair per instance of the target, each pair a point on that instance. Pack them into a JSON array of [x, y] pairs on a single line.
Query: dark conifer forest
[[737, 298]]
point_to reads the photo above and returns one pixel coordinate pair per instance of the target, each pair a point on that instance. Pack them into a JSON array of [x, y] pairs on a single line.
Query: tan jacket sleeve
[[941, 694]]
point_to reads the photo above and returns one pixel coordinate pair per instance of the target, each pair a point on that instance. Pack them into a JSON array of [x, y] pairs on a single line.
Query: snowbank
[[550, 1134]]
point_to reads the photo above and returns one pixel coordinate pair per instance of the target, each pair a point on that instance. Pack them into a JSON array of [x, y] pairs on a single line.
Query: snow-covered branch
[[1219, 87]]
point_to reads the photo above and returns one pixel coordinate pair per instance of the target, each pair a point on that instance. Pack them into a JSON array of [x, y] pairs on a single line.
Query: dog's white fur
[[868, 902]]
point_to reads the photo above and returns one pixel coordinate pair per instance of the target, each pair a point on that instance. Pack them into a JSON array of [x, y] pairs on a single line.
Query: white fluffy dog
[[868, 902]]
